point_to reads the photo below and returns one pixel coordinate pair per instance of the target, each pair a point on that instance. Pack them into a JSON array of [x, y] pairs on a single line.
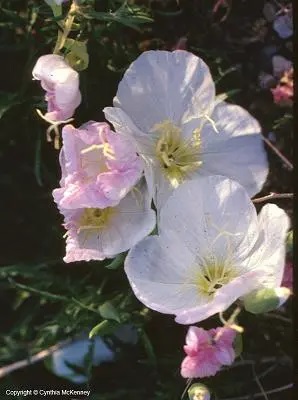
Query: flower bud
[[266, 299], [197, 391]]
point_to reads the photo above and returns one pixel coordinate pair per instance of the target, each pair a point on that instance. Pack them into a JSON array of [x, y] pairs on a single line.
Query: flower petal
[[159, 271], [133, 221], [204, 213], [222, 299], [270, 254], [237, 150], [130, 221], [162, 85], [192, 368]]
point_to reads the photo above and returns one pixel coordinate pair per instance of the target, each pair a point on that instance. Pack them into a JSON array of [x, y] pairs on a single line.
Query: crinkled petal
[[131, 220], [195, 338], [192, 368], [99, 167], [225, 356], [61, 83]]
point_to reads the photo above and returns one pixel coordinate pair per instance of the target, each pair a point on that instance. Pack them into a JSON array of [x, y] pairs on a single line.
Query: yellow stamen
[[213, 276], [178, 157], [106, 150], [95, 218]]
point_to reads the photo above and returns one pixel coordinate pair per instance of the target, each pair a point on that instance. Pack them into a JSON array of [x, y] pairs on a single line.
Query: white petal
[[160, 272], [223, 298], [213, 216], [125, 126], [158, 187], [270, 254], [237, 150], [162, 85], [133, 221]]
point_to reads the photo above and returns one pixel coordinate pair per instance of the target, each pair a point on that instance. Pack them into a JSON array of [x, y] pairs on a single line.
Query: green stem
[[62, 36]]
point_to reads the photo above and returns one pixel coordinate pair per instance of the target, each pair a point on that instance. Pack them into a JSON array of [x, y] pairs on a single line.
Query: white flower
[[212, 249], [96, 234], [166, 104]]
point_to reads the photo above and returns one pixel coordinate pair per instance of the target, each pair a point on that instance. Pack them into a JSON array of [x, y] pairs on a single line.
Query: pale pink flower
[[282, 95], [287, 280], [96, 234], [99, 167], [61, 84], [207, 351]]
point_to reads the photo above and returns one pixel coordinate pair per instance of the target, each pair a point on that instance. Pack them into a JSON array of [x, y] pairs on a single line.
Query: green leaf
[[56, 8], [103, 328], [108, 311], [117, 261], [77, 54], [24, 270], [130, 16], [42, 293]]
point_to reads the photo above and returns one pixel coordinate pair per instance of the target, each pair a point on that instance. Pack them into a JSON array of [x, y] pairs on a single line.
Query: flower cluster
[[105, 213], [280, 81], [200, 160]]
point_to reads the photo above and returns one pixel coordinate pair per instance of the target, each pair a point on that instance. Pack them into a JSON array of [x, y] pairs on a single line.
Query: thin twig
[[255, 395], [8, 369], [279, 317], [243, 363], [256, 378], [273, 195], [277, 152]]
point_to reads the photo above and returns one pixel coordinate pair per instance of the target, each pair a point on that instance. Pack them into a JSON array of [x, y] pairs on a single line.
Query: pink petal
[[192, 368]]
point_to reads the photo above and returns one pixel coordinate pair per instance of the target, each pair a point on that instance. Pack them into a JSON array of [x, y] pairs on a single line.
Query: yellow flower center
[[214, 276], [95, 218], [178, 157]]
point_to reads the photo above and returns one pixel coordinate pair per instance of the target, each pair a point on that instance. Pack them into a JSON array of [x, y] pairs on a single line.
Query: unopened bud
[[197, 391], [266, 299]]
